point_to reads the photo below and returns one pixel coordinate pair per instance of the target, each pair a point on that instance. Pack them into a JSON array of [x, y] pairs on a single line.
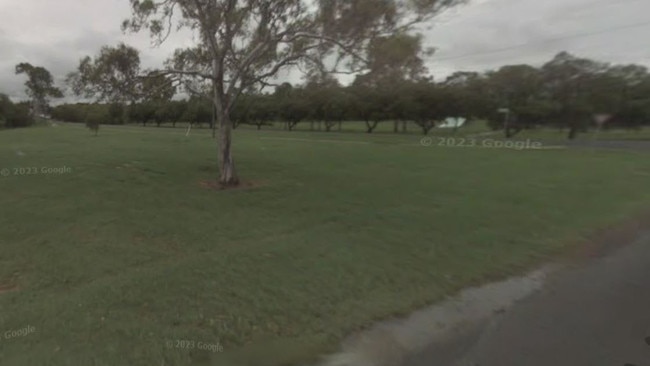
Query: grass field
[[474, 128], [126, 250], [386, 127], [561, 135]]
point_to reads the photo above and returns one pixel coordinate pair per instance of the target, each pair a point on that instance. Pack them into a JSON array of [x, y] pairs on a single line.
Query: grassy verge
[[124, 250], [557, 135]]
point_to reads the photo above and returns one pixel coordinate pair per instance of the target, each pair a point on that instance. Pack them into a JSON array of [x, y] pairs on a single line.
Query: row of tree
[[566, 92], [194, 111]]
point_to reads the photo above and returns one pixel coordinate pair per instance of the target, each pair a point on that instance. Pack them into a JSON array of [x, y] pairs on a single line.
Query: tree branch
[[180, 72]]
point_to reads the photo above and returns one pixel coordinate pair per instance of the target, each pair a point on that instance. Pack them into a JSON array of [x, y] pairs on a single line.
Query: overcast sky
[[57, 33]]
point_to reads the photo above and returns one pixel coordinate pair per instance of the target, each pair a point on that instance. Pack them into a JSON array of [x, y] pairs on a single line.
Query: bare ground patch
[[605, 240], [4, 288], [243, 185]]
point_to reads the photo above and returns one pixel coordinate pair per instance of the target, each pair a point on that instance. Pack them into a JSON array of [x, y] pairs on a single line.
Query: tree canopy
[[245, 43], [112, 76], [39, 86]]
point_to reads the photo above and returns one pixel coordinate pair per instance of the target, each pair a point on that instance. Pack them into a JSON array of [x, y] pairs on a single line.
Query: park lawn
[[558, 135], [354, 127], [476, 129], [129, 250]]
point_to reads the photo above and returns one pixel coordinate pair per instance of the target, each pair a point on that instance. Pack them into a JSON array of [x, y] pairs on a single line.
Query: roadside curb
[[392, 342]]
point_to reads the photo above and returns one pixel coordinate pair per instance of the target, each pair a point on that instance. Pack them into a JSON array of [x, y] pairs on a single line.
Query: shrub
[[14, 115]]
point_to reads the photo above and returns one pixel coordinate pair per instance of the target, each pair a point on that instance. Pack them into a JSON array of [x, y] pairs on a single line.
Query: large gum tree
[[112, 76], [39, 86], [242, 44]]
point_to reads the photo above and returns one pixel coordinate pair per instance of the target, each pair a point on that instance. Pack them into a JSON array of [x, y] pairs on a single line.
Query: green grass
[[550, 134], [385, 127], [128, 250], [479, 127]]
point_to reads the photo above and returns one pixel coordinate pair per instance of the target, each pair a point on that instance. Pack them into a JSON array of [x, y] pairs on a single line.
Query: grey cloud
[[476, 31], [61, 32], [58, 57]]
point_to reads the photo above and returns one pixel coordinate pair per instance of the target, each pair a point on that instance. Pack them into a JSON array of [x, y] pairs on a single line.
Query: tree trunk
[[214, 119], [426, 126], [573, 132], [396, 127], [371, 126], [126, 116], [227, 174], [33, 109]]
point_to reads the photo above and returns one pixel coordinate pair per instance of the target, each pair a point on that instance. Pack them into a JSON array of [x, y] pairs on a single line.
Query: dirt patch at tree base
[[243, 185], [7, 288]]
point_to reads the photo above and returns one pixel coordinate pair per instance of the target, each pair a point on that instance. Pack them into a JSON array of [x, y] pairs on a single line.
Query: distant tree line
[[566, 93], [14, 115]]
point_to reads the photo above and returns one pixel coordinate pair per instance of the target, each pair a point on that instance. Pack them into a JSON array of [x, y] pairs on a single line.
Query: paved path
[[590, 314]]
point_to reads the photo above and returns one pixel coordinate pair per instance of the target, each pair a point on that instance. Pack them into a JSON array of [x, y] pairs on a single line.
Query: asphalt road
[[592, 313]]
